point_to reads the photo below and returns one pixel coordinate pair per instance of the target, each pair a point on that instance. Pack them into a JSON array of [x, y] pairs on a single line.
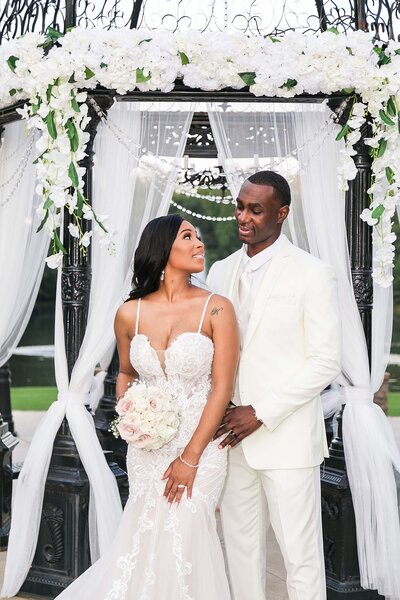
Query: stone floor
[[25, 424]]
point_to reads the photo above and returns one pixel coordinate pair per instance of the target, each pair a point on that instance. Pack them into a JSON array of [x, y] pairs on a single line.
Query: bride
[[184, 340]]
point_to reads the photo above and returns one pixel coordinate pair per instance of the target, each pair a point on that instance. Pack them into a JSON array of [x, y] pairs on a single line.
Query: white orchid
[[54, 261]]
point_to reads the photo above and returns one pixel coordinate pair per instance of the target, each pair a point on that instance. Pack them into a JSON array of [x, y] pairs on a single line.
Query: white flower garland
[[50, 72]]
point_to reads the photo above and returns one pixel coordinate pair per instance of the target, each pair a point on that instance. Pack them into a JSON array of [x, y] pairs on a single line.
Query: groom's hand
[[238, 423]]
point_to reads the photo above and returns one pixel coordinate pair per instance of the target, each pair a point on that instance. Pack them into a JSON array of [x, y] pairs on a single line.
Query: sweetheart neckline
[[173, 341], [162, 370]]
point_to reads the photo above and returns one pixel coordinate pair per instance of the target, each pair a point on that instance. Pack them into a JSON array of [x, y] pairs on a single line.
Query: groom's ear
[[283, 213]]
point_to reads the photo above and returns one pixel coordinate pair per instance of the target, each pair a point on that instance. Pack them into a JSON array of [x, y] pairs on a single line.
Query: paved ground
[[25, 423]]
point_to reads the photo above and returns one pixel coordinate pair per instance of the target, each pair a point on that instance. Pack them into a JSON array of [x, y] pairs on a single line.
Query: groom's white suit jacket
[[290, 353]]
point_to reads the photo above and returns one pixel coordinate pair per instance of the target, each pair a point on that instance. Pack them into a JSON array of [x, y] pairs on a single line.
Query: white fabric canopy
[[22, 250], [299, 142], [130, 201]]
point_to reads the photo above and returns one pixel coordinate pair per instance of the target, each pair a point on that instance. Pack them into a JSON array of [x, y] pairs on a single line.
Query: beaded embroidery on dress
[[162, 551]]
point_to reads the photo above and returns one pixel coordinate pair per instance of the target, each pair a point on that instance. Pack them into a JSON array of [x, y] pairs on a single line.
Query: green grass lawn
[[32, 398], [394, 404], [40, 398]]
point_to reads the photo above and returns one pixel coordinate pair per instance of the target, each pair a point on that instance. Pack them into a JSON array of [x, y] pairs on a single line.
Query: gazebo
[[103, 106]]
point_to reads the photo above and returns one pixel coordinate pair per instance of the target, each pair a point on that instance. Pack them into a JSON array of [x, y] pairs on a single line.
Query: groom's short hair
[[279, 183]]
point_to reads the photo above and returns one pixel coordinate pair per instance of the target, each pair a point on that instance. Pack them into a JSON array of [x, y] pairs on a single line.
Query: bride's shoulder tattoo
[[215, 311]]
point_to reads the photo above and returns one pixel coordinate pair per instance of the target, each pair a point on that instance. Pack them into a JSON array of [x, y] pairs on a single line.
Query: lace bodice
[[186, 376]]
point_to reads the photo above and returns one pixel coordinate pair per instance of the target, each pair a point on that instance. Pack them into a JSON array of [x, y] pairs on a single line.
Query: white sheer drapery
[[22, 250], [130, 201], [299, 142]]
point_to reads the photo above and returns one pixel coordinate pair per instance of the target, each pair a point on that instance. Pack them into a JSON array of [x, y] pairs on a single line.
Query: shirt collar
[[261, 258]]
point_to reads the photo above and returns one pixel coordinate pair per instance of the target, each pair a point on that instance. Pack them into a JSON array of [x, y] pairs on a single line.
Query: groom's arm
[[322, 336]]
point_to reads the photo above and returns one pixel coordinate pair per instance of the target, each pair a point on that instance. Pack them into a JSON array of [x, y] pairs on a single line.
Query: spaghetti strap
[[137, 317], [204, 313]]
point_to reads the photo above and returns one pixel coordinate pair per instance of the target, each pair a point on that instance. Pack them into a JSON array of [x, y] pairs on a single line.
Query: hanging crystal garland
[[180, 189], [4, 159], [200, 216], [17, 175]]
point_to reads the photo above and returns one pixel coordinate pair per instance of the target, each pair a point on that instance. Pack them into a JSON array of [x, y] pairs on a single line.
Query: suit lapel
[[231, 275], [270, 279]]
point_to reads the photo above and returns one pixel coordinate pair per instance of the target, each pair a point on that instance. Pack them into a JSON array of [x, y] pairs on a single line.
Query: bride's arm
[[122, 327], [226, 353]]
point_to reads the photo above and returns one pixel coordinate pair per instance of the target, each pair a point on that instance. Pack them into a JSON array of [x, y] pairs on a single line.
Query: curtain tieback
[[73, 398], [358, 394]]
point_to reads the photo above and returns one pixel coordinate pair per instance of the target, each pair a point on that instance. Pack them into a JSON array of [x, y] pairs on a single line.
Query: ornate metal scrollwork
[[75, 285], [21, 16], [331, 509], [329, 552], [363, 288], [265, 17], [53, 517]]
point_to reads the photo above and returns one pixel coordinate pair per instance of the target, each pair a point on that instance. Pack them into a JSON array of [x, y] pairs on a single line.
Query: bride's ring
[[233, 434], [181, 485]]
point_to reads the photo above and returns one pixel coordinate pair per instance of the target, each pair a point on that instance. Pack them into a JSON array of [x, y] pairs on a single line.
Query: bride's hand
[[179, 477]]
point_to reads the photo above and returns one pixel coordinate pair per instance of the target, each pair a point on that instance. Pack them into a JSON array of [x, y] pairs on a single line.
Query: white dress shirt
[[258, 265]]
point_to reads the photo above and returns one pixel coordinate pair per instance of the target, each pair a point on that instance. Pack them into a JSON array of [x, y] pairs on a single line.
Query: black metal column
[[7, 445], [62, 552], [339, 528], [5, 396]]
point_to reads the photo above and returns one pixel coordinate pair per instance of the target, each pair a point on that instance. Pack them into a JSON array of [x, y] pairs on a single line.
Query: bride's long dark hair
[[152, 254]]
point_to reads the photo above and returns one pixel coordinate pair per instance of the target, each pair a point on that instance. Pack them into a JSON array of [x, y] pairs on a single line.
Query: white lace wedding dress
[[162, 551]]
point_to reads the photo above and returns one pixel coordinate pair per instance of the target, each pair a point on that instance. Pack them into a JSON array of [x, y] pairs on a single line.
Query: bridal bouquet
[[147, 417]]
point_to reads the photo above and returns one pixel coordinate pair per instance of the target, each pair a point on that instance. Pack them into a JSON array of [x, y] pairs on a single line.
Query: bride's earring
[[162, 275]]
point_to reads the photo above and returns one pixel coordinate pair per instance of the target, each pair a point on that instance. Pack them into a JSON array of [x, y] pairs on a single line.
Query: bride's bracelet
[[186, 463]]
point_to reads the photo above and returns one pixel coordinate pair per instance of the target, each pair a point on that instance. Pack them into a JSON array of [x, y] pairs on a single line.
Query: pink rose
[[132, 434], [124, 405]]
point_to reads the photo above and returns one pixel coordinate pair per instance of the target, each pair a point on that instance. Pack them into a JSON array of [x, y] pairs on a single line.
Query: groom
[[287, 309]]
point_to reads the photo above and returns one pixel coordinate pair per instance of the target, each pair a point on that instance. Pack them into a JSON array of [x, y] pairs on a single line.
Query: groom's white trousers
[[289, 500]]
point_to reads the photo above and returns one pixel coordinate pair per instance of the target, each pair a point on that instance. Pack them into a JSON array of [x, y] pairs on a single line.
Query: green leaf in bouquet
[[378, 212], [50, 121], [35, 162], [59, 243], [391, 106], [343, 132], [89, 73], [273, 39], [49, 91], [248, 77], [99, 223], [184, 58], [103, 65], [80, 203], [141, 77], [74, 103], [383, 58], [289, 84], [48, 203], [73, 175], [398, 122], [382, 147], [72, 135], [12, 62], [389, 174], [72, 78], [333, 30], [385, 118], [46, 216]]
